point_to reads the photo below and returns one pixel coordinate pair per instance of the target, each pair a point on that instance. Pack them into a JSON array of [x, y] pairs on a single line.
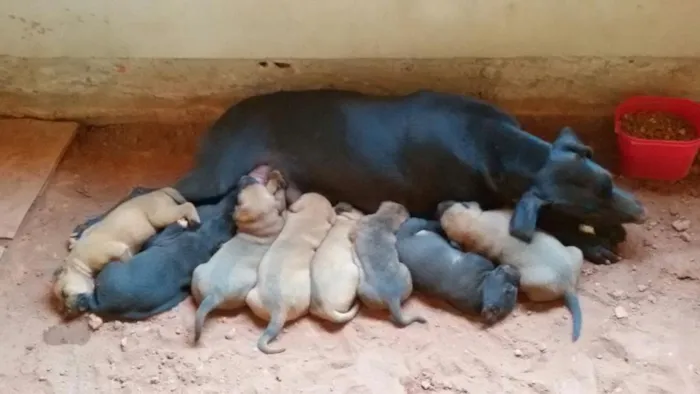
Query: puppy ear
[[342, 207], [524, 221], [276, 176], [443, 207], [569, 142]]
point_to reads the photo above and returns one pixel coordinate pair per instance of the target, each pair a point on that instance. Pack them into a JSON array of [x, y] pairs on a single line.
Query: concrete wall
[[349, 28], [106, 60]]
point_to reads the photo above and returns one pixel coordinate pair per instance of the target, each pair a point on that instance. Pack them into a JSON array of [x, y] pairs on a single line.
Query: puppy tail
[[273, 329], [344, 317], [397, 315], [207, 305], [572, 303]]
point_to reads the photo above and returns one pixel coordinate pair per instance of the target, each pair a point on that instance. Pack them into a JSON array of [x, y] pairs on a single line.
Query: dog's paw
[[183, 223], [194, 224], [600, 255]]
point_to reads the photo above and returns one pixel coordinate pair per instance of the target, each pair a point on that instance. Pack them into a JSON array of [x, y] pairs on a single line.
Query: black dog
[[467, 281], [158, 278], [366, 149]]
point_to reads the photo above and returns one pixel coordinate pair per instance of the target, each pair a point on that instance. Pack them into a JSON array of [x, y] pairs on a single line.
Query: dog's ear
[[442, 207], [276, 176], [245, 181], [524, 221], [569, 142]]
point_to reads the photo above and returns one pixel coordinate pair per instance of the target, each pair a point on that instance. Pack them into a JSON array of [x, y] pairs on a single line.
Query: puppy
[[384, 281], [549, 270], [467, 281], [118, 236], [334, 275], [225, 280], [158, 278], [283, 290]]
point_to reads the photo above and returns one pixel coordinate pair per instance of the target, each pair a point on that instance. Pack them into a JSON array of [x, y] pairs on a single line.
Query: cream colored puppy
[[334, 274], [549, 270], [283, 290], [225, 280], [118, 236]]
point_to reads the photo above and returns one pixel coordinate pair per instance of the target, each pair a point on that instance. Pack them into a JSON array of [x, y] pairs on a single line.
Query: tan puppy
[[118, 236], [225, 280], [384, 281], [283, 291], [549, 270], [334, 275]]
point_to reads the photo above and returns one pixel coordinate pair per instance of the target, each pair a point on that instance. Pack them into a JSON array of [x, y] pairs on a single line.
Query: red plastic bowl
[[657, 159]]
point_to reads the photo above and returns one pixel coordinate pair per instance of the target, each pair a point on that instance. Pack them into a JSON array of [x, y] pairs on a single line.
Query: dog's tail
[[413, 225], [572, 303], [401, 320], [344, 317], [277, 320], [207, 305], [174, 194]]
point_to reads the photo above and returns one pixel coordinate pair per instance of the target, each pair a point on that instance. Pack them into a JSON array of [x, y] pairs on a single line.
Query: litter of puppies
[[294, 253], [315, 258]]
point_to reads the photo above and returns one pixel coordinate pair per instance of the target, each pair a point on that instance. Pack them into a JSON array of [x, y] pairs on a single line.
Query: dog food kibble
[[655, 125]]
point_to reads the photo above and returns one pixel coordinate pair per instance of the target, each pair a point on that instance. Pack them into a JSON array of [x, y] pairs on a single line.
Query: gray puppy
[[467, 281], [384, 281]]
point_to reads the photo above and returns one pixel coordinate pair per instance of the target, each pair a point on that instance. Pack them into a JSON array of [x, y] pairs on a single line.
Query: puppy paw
[[183, 223], [193, 223], [71, 242], [600, 255]]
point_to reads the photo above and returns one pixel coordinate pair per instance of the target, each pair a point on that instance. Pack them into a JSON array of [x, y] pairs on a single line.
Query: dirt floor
[[641, 331]]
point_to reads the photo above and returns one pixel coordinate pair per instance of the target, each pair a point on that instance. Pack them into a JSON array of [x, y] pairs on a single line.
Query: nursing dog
[[364, 149]]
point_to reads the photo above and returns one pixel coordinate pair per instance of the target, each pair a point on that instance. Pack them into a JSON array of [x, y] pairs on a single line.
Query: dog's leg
[[166, 216], [117, 251]]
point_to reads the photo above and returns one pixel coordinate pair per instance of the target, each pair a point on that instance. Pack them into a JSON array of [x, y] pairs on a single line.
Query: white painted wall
[[349, 28]]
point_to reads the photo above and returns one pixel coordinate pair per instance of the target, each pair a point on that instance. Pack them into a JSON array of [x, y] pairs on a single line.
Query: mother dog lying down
[[418, 149]]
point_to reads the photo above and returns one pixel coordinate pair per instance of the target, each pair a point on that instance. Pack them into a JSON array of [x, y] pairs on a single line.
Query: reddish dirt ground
[[641, 329]]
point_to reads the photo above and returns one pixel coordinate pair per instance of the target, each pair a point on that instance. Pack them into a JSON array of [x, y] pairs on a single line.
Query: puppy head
[[458, 220], [277, 186], [254, 201], [68, 284], [500, 293], [313, 202], [571, 182], [394, 212]]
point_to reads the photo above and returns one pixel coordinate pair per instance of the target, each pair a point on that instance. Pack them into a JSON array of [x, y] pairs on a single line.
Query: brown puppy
[[334, 274], [384, 281], [283, 290], [225, 280], [118, 236], [549, 270]]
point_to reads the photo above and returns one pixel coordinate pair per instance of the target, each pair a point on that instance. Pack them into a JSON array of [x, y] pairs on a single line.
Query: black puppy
[[158, 278], [467, 281], [366, 149]]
